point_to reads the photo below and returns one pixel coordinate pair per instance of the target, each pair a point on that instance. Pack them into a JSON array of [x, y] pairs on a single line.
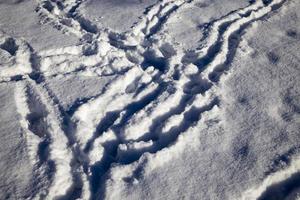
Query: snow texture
[[150, 99]]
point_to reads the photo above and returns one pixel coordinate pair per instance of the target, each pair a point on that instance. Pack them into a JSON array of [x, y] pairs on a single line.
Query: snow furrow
[[115, 149], [166, 128], [33, 139], [95, 116], [121, 173], [55, 15], [114, 120], [100, 149], [80, 184], [97, 58], [213, 32], [149, 24], [88, 115], [36, 140], [131, 152], [214, 68], [140, 124], [64, 16], [41, 116]]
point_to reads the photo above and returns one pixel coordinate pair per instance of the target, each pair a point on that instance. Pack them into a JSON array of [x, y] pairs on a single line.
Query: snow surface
[[150, 99]]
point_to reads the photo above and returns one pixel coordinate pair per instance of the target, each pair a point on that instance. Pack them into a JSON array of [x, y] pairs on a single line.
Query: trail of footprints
[[144, 109]]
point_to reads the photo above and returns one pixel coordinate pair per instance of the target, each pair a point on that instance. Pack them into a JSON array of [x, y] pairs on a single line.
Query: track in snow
[[144, 109]]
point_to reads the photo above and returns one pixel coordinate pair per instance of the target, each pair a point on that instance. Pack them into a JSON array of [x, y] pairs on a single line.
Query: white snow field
[[150, 99]]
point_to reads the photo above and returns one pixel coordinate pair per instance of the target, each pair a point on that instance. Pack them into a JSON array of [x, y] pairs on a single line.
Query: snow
[[15, 163], [19, 19], [149, 99]]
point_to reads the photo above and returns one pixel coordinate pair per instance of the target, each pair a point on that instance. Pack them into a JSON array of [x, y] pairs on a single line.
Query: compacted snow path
[[159, 92]]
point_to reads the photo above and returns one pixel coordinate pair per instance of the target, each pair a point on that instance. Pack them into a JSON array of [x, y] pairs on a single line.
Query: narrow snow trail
[[214, 31], [96, 59], [151, 22], [40, 120], [213, 69], [217, 46], [63, 16], [143, 110], [116, 96]]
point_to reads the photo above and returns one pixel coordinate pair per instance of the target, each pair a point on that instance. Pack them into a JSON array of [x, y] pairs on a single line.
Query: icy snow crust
[[145, 99]]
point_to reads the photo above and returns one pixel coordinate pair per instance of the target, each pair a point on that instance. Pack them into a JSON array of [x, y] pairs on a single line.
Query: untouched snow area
[[150, 99]]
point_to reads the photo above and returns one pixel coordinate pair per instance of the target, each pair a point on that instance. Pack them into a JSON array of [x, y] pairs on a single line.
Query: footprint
[[10, 46]]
